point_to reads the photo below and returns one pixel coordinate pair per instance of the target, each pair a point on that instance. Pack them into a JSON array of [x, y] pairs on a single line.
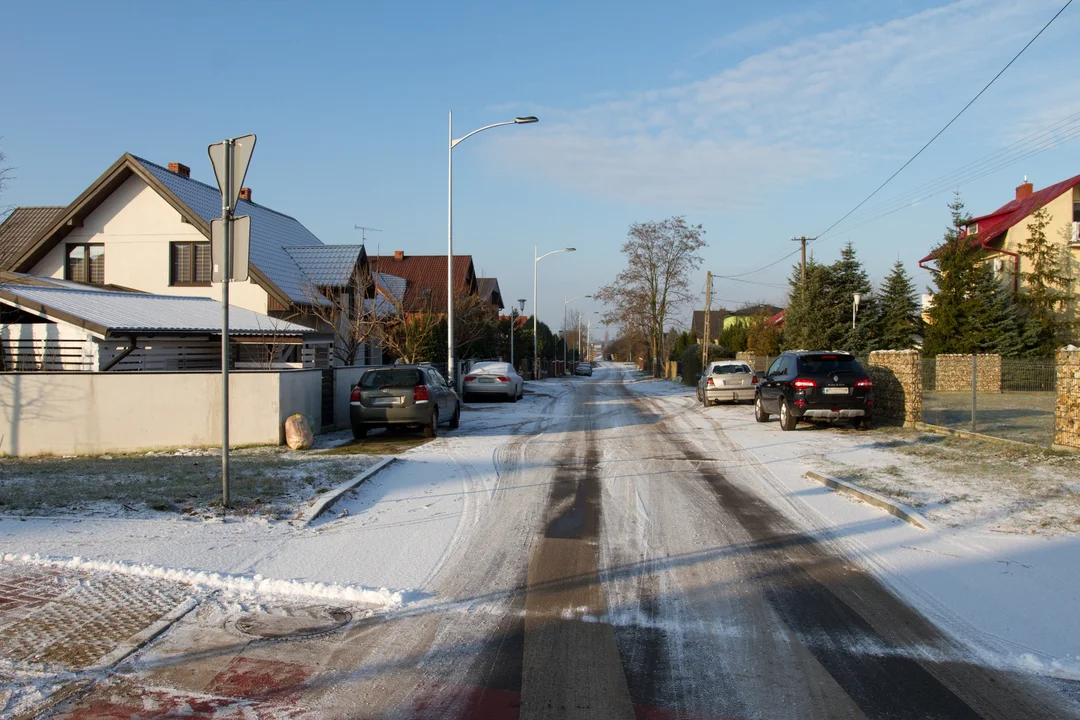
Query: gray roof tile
[[271, 231], [326, 265], [123, 312]]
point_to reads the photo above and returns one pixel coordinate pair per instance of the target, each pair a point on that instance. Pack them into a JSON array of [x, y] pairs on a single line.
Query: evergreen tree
[[808, 317], [900, 321], [971, 313], [845, 277], [1046, 290]]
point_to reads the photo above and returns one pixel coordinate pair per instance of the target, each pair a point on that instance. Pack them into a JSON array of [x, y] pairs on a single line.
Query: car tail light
[[864, 383], [420, 393], [470, 378], [710, 382], [503, 378], [754, 380], [356, 394], [800, 403], [804, 383]]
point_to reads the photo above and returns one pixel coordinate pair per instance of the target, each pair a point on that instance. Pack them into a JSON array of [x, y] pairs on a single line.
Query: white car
[[731, 380], [493, 379]]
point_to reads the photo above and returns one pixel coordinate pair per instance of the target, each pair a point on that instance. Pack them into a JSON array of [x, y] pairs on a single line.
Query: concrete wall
[[898, 388], [1067, 408], [136, 226], [953, 373], [73, 413], [344, 379]]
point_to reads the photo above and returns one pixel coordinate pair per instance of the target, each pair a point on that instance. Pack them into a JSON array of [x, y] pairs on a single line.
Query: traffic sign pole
[[226, 277]]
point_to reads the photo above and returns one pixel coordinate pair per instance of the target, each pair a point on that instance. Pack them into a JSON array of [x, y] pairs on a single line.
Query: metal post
[[226, 275], [511, 336], [450, 251], [564, 301], [536, 352], [974, 389]]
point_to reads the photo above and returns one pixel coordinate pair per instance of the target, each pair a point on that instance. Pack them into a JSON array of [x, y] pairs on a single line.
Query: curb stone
[[141, 638], [324, 503], [893, 508]]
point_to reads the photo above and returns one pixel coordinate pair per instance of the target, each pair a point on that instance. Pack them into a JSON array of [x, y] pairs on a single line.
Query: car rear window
[[490, 368], [379, 379], [828, 363], [729, 369]]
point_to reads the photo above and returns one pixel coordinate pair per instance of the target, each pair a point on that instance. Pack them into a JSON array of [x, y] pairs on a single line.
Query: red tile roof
[[1011, 213], [427, 272]]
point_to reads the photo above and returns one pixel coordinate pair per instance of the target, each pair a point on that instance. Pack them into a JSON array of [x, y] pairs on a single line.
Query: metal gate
[[328, 399]]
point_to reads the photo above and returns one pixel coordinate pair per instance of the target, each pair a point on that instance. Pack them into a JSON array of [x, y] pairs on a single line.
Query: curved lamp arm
[[515, 121], [553, 252]]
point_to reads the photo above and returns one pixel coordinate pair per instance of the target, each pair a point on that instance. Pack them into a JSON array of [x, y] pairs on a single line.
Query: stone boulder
[[298, 434]]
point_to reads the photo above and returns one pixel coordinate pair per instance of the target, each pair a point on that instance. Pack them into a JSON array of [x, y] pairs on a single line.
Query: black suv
[[815, 386]]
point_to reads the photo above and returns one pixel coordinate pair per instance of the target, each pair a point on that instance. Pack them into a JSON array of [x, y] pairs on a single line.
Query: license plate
[[835, 391], [486, 380], [385, 401]]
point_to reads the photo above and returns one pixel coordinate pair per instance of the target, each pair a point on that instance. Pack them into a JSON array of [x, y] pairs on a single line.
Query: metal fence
[[1011, 398]]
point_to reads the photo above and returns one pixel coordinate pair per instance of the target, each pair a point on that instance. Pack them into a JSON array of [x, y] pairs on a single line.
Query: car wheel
[[863, 423], [759, 410], [787, 418], [432, 429], [359, 432], [455, 419], [513, 396]]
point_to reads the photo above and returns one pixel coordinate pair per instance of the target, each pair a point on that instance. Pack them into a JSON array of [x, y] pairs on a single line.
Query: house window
[[85, 263], [189, 263], [1076, 212]]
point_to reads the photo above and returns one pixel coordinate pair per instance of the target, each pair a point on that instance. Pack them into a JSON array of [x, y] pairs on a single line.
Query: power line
[[913, 157], [949, 124]]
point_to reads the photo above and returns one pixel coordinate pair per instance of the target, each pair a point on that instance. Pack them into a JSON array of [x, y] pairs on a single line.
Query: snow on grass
[[266, 482], [243, 585]]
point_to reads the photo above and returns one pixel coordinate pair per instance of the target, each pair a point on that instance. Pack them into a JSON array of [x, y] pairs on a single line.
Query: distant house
[[716, 323], [488, 288], [425, 278], [146, 227], [1003, 232], [743, 315]]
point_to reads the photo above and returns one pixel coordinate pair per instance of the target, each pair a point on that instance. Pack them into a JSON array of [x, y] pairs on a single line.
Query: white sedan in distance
[[493, 379], [726, 380]]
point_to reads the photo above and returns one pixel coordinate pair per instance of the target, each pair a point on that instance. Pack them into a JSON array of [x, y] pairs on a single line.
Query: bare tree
[[5, 176], [408, 335], [660, 257], [350, 313]]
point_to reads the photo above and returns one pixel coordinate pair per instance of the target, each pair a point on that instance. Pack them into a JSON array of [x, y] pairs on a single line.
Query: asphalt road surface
[[629, 566]]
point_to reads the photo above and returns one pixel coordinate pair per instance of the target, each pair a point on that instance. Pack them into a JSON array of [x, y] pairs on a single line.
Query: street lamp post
[[564, 304], [450, 231], [536, 261]]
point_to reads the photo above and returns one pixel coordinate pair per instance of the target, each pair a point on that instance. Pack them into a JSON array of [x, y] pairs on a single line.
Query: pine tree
[[807, 320], [971, 313], [900, 321], [1046, 290], [845, 277]]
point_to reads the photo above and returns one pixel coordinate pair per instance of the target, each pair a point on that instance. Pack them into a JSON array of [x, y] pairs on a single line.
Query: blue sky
[[760, 121]]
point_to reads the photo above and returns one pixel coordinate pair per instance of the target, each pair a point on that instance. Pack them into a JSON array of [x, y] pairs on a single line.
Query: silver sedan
[[493, 379], [731, 380]]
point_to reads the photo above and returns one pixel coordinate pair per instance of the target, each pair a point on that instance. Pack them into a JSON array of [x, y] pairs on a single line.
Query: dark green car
[[414, 396]]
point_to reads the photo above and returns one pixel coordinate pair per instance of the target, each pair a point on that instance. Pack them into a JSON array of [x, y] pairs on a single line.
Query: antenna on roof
[[364, 231]]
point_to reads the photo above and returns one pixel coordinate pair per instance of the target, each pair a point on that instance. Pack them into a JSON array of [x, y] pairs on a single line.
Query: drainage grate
[[294, 622]]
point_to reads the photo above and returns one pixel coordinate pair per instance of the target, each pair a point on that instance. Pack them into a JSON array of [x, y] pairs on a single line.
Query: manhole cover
[[299, 622]]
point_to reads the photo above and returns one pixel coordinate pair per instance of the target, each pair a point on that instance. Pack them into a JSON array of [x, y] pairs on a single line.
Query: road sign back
[[241, 242], [242, 148]]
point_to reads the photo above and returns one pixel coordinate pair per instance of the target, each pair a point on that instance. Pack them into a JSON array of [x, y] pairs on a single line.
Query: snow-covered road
[[608, 548]]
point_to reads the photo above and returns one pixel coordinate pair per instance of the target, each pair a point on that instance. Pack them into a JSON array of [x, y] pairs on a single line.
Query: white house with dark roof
[[146, 227]]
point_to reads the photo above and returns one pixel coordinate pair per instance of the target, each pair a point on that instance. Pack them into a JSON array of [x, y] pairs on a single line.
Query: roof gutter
[[123, 354]]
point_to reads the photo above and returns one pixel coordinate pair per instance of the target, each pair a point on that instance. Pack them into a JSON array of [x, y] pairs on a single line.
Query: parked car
[[583, 368], [731, 380], [815, 386], [414, 396], [493, 379]]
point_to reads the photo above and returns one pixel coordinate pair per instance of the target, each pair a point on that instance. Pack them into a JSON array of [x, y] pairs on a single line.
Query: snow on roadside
[[234, 584]]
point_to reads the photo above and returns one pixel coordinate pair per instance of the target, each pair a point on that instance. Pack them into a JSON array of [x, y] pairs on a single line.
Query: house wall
[[1061, 218], [136, 226], [74, 413]]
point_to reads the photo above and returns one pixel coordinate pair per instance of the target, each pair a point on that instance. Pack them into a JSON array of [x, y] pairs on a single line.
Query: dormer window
[[972, 228]]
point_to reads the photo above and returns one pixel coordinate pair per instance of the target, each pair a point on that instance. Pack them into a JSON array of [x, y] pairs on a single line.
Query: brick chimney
[[1025, 189], [245, 194], [180, 169], [399, 254]]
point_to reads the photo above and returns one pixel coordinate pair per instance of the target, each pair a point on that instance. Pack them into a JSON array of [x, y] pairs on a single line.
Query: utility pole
[[708, 311], [803, 239]]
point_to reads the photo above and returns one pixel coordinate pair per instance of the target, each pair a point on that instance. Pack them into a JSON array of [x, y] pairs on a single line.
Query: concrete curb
[[141, 638], [324, 503], [968, 435], [893, 508]]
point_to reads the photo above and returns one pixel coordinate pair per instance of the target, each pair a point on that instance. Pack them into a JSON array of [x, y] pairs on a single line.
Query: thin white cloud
[[811, 109]]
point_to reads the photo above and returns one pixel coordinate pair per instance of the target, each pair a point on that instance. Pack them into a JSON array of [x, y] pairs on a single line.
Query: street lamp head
[[569, 249], [526, 120], [521, 301]]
